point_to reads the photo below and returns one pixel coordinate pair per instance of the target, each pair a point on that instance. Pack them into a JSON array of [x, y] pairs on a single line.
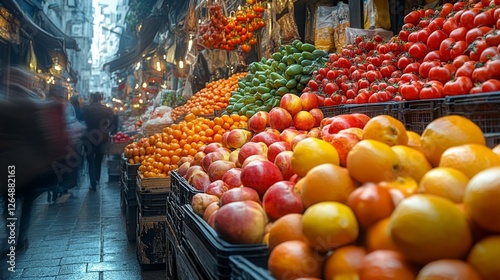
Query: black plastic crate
[[332, 111], [186, 192], [244, 269], [417, 114], [211, 251], [175, 186], [131, 219], [186, 266], [151, 240], [483, 109], [492, 139], [114, 171], [374, 109], [152, 203], [175, 217]]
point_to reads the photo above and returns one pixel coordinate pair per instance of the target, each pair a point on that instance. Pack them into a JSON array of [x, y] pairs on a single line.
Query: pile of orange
[[184, 139], [214, 96]]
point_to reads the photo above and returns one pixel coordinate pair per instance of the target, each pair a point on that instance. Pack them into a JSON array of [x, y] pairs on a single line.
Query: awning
[[121, 62], [32, 29], [43, 21]]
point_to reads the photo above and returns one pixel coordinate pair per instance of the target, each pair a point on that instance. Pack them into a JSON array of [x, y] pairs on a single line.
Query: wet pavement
[[82, 236]]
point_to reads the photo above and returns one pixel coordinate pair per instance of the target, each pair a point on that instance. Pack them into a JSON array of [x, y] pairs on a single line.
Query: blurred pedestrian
[[100, 121]]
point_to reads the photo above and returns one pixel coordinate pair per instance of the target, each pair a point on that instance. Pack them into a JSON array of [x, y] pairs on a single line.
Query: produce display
[[160, 153], [439, 52], [214, 96], [120, 137], [288, 71]]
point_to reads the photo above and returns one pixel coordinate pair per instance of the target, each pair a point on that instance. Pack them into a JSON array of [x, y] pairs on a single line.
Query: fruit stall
[[379, 159]]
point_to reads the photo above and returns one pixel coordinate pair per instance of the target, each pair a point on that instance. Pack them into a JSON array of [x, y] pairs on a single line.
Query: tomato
[[383, 48], [413, 37], [378, 38], [369, 45], [481, 74], [408, 77], [459, 5], [493, 67], [436, 24], [496, 13], [373, 75], [457, 49], [450, 25], [467, 18], [413, 18], [363, 83], [484, 19], [412, 68], [472, 34], [460, 60], [440, 73], [458, 86], [424, 22], [313, 85], [423, 35], [445, 49], [431, 89], [432, 56], [488, 54], [403, 34], [403, 62], [477, 89], [410, 90], [386, 71], [418, 50], [459, 34], [344, 62], [477, 49], [491, 85], [435, 39], [330, 88], [466, 69], [361, 99], [429, 13], [493, 38], [445, 10], [423, 71]]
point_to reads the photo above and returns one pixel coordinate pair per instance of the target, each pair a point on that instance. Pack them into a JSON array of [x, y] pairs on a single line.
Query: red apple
[[233, 156], [183, 168], [309, 101], [251, 148], [224, 139], [303, 120], [362, 117], [344, 121], [211, 208], [288, 134], [241, 222], [260, 175], [239, 194], [291, 103], [297, 139], [217, 188], [314, 132], [276, 148], [284, 162], [294, 179], [189, 159], [253, 158], [212, 147], [191, 170], [343, 143], [280, 199], [198, 157], [258, 122], [209, 158], [272, 130], [280, 119], [224, 151], [211, 219], [199, 180], [266, 137], [318, 116], [232, 178], [238, 137], [218, 168]]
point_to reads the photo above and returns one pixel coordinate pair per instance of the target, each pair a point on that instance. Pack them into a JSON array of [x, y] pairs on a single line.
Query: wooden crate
[[155, 183]]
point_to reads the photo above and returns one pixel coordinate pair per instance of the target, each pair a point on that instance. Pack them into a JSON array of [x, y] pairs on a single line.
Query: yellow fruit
[[496, 149], [485, 256], [482, 199], [406, 185], [413, 163], [378, 237], [286, 228], [446, 132], [329, 225], [426, 228], [414, 140], [445, 182], [326, 182], [448, 269], [386, 129], [311, 152], [294, 259], [344, 263], [372, 161], [469, 158]]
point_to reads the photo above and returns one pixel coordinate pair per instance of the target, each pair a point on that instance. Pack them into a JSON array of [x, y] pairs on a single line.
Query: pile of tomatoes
[[451, 51], [229, 33]]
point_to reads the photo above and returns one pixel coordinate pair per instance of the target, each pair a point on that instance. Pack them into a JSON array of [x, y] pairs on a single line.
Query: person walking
[[100, 121]]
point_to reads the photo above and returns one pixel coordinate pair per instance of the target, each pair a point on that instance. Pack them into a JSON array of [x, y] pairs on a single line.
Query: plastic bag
[[324, 32], [286, 20], [342, 22], [377, 14]]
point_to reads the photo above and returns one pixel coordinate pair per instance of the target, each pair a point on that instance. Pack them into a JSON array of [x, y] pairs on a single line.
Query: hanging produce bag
[[286, 20], [341, 21], [324, 31], [377, 14]]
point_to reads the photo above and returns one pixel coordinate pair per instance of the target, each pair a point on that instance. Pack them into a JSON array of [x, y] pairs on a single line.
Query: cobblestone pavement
[[82, 236]]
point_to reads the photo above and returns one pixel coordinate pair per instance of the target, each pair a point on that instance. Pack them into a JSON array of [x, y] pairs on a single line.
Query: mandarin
[[294, 259], [446, 182], [386, 129], [344, 263], [484, 256], [286, 228], [448, 269], [387, 265], [378, 237], [469, 158], [413, 163]]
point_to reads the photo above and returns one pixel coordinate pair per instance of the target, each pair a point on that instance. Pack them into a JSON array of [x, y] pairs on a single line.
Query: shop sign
[[9, 27]]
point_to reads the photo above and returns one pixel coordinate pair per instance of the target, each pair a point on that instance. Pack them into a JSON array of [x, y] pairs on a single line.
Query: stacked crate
[[128, 183]]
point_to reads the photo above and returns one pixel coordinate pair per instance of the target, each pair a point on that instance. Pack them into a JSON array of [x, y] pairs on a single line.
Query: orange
[[445, 182], [370, 203], [496, 149], [386, 129], [386, 264], [414, 140], [378, 237], [344, 263], [286, 228], [413, 163], [294, 259], [482, 199], [448, 269], [372, 161], [407, 186], [449, 131], [328, 225], [469, 158], [484, 256], [311, 152], [326, 182], [426, 228]]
